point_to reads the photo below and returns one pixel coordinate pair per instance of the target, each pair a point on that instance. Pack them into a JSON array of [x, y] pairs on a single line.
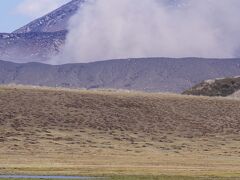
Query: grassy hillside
[[216, 87], [53, 131]]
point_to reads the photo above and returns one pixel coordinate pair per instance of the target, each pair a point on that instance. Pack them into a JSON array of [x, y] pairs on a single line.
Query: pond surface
[[43, 177]]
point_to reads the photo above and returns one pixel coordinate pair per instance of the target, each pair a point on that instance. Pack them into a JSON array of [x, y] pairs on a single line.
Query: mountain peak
[[56, 20]]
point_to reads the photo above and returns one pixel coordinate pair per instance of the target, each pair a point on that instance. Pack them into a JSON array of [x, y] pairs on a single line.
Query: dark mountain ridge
[[145, 74]]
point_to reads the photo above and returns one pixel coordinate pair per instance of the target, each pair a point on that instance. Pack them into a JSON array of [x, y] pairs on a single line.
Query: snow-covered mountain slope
[[54, 21], [34, 46], [40, 39]]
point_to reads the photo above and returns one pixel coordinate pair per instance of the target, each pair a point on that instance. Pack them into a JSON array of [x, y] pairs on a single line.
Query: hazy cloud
[[108, 29], [36, 8]]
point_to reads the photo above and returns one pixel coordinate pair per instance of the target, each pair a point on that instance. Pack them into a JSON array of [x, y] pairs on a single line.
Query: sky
[[16, 13]]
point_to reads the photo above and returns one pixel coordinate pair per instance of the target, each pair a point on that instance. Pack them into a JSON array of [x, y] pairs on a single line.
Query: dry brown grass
[[53, 131]]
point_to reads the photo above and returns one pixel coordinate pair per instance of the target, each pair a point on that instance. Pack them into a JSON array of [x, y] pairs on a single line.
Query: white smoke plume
[[110, 29]]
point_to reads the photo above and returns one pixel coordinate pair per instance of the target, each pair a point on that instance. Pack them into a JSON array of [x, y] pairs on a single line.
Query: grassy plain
[[144, 178], [106, 133]]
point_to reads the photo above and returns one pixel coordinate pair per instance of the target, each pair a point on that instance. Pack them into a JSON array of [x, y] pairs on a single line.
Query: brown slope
[[93, 132]]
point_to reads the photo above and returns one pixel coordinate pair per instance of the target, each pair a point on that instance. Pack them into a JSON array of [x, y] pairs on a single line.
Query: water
[[43, 177]]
